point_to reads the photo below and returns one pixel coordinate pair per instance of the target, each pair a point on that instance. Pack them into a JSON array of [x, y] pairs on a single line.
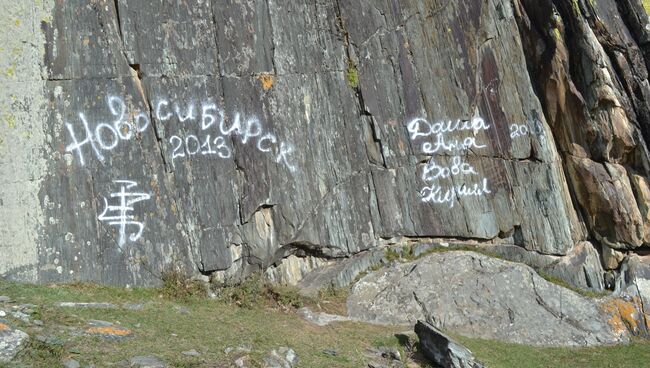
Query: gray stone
[[320, 318], [71, 363], [99, 323], [443, 350], [93, 305], [580, 268], [146, 362], [192, 353], [340, 274], [5, 299], [478, 296], [12, 342], [281, 358]]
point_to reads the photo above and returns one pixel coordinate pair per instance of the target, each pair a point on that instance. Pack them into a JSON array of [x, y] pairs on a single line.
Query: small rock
[[109, 332], [442, 350], [134, 306], [99, 323], [11, 342], [38, 322], [282, 358], [86, 305], [49, 340], [241, 362], [182, 310], [3, 313], [390, 353], [5, 299], [192, 352], [146, 362], [319, 318], [71, 363], [331, 352], [21, 316]]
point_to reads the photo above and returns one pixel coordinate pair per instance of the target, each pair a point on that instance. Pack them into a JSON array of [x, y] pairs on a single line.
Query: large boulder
[[479, 296]]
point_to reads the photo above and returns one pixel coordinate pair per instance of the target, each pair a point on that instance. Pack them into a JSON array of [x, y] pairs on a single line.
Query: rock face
[[480, 296], [227, 137]]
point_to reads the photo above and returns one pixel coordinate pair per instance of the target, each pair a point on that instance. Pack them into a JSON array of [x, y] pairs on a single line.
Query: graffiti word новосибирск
[[123, 126]]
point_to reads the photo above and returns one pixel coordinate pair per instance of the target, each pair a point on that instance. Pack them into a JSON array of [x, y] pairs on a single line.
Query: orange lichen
[[3, 327], [114, 331], [623, 315], [267, 81]]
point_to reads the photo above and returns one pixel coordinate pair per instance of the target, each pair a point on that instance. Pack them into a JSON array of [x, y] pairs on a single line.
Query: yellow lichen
[[3, 327], [267, 81], [623, 315], [115, 331]]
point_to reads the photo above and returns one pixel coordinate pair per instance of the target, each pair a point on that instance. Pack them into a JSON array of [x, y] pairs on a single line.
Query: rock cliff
[[228, 137]]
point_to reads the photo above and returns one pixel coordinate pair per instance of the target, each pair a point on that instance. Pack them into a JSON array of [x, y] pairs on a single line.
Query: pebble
[[192, 352], [71, 363], [5, 299], [147, 362]]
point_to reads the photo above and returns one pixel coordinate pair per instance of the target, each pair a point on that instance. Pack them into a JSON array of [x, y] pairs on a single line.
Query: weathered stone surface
[[580, 268], [11, 342], [232, 137], [342, 273], [479, 296], [443, 350], [146, 362]]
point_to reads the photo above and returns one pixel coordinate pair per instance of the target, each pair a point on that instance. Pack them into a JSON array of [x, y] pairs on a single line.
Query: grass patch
[[209, 326], [646, 5], [505, 355], [352, 75]]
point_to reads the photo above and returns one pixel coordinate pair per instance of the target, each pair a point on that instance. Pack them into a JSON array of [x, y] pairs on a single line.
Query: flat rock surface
[[478, 296]]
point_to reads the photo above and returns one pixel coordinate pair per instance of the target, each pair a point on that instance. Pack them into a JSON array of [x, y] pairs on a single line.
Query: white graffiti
[[120, 215], [523, 130], [107, 136], [455, 138], [215, 127]]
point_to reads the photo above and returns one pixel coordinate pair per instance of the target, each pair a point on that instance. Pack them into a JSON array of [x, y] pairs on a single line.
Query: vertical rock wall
[[225, 137]]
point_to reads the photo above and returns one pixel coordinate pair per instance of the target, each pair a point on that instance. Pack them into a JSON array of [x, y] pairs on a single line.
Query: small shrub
[[285, 296], [178, 285]]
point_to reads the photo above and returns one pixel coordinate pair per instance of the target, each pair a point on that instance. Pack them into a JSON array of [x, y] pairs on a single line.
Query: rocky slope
[[229, 137]]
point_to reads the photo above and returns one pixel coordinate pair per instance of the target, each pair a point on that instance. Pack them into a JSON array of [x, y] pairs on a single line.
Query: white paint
[[120, 215], [208, 119], [105, 136], [285, 149], [209, 141], [455, 138], [441, 195], [159, 108], [433, 171], [268, 137], [523, 130], [420, 127], [189, 115]]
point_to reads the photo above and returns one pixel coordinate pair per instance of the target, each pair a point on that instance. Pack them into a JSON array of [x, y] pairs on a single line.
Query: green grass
[[646, 5], [504, 355], [256, 315]]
